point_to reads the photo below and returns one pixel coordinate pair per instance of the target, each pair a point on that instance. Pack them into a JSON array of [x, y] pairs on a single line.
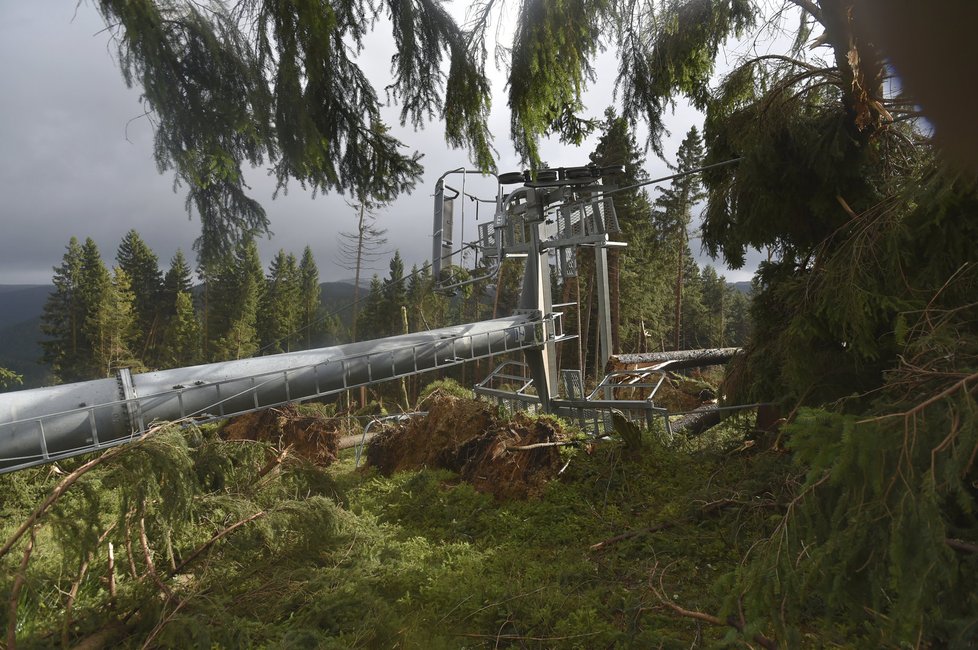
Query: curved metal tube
[[46, 424]]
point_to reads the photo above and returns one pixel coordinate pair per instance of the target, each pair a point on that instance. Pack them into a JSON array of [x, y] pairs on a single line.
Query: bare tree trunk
[[356, 274], [19, 580], [614, 273], [679, 292]]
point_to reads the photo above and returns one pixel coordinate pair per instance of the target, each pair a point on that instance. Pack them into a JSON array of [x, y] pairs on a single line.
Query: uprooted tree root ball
[[466, 437], [313, 437]]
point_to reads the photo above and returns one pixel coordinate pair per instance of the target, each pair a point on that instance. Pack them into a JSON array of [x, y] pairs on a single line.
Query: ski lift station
[[551, 217]]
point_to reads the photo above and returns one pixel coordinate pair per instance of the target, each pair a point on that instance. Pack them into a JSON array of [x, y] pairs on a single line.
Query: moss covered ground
[[343, 557]]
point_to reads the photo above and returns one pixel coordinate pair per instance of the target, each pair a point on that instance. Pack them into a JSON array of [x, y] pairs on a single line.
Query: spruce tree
[[370, 320], [676, 204], [182, 340], [280, 308], [636, 272], [395, 297], [89, 317], [310, 303], [716, 301], [695, 326], [114, 327], [234, 299], [360, 249], [178, 279], [738, 323], [182, 336], [66, 347], [143, 268]]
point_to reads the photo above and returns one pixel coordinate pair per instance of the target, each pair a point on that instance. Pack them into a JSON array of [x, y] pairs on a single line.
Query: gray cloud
[[76, 156]]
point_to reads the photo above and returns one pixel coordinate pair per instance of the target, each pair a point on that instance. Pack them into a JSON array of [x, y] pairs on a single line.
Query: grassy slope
[[420, 560]]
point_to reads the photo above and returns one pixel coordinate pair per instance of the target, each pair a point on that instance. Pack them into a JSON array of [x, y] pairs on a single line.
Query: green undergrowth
[[346, 558]]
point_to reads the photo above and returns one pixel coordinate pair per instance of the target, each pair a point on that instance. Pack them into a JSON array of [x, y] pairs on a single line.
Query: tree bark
[[679, 358]]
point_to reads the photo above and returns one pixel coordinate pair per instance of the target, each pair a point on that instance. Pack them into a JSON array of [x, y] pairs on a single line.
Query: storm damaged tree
[[360, 249], [865, 313], [867, 285]]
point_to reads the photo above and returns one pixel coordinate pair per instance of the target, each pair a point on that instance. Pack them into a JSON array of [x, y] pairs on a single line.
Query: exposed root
[[513, 459]]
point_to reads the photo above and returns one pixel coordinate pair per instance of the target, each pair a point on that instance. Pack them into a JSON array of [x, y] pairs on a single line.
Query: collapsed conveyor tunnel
[[46, 424]]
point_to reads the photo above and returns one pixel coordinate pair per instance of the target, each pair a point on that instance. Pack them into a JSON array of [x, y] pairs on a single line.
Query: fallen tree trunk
[[677, 359], [698, 420], [352, 441]]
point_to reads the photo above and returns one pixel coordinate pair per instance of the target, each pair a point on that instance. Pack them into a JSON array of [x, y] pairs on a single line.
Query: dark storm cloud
[[76, 157]]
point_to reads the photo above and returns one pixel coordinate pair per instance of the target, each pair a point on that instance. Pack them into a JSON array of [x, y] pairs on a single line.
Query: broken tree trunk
[[678, 359], [698, 420]]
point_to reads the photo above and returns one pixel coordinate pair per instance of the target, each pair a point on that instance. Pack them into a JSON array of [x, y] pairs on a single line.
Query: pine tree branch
[[785, 59], [110, 569], [711, 507], [76, 585], [540, 445], [56, 494], [150, 565], [215, 538], [811, 8], [19, 580], [963, 384], [666, 525]]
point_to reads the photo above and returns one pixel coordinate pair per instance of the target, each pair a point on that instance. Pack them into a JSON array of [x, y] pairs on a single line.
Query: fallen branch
[[517, 637], [148, 556], [76, 585], [632, 533], [106, 636], [66, 483], [961, 545], [736, 623], [111, 575], [539, 445], [19, 581], [962, 384], [52, 498], [761, 640], [214, 539], [713, 506]]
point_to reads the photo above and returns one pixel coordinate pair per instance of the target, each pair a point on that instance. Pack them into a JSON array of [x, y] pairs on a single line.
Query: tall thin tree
[[360, 249]]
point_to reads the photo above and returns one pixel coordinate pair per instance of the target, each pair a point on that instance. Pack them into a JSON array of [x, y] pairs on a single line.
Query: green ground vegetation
[[342, 557]]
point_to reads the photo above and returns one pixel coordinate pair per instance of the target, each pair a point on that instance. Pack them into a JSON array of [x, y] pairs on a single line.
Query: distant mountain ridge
[[20, 302], [744, 286]]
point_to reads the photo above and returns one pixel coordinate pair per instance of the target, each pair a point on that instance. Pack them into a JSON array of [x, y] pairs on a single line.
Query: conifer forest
[[832, 502]]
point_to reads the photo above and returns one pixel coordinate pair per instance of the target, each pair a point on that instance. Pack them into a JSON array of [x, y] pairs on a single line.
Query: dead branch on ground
[[19, 581], [737, 623]]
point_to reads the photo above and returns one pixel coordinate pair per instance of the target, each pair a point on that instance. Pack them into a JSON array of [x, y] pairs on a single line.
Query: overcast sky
[[76, 157]]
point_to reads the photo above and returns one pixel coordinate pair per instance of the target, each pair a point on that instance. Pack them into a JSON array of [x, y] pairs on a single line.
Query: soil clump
[[467, 437], [314, 437]]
